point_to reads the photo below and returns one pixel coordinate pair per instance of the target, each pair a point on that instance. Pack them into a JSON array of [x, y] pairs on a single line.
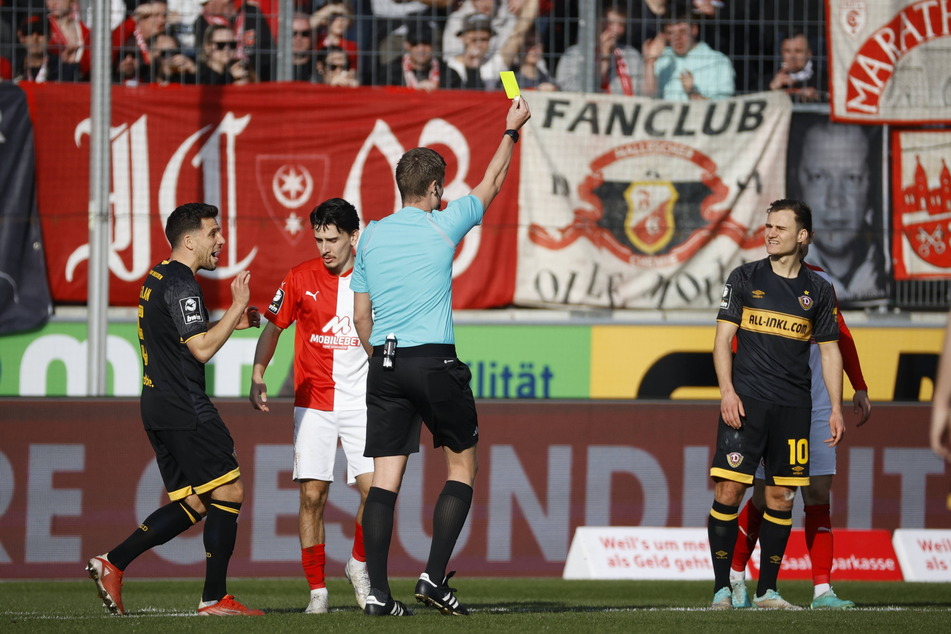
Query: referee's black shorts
[[195, 461], [427, 384]]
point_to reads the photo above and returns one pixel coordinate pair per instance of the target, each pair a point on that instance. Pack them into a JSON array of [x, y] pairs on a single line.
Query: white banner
[[639, 203], [889, 60]]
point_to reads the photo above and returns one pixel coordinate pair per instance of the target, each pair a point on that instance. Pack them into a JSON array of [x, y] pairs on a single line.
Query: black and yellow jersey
[[172, 311], [778, 318]]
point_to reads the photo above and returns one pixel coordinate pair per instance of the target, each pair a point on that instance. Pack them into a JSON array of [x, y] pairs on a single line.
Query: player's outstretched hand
[[518, 114], [861, 406]]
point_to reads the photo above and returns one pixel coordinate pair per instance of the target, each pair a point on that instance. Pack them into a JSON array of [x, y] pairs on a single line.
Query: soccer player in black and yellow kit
[[774, 307], [193, 448]]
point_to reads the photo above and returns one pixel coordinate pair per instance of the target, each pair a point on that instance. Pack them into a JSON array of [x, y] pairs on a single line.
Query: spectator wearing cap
[[619, 67], [36, 64], [503, 23], [68, 39], [678, 66], [419, 68], [475, 67]]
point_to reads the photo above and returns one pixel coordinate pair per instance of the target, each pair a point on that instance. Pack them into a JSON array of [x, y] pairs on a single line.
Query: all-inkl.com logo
[[655, 218]]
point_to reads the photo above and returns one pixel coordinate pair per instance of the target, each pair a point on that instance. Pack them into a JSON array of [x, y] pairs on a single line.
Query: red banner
[[266, 155], [921, 204], [859, 556], [888, 60], [77, 477]]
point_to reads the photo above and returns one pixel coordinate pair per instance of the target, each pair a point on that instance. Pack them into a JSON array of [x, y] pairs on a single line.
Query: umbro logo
[[448, 360], [313, 294]]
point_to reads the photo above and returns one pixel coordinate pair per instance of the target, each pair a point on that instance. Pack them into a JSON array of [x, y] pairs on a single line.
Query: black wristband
[[513, 134]]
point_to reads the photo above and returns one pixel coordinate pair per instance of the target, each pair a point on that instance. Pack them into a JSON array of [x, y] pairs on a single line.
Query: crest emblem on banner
[[926, 216], [852, 16], [652, 217], [290, 186]]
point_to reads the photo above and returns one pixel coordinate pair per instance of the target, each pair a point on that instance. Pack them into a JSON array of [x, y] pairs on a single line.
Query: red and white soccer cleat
[[108, 580], [227, 606]]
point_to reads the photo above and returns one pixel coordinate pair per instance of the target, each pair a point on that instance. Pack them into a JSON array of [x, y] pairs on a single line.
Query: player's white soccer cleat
[[108, 580], [319, 602], [828, 601], [773, 601], [741, 596], [722, 599], [356, 573]]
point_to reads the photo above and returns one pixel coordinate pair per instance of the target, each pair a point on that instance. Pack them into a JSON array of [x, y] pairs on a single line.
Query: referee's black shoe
[[439, 597], [379, 604]]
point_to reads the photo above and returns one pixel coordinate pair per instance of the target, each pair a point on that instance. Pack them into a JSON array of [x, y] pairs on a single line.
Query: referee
[[774, 307], [402, 283]]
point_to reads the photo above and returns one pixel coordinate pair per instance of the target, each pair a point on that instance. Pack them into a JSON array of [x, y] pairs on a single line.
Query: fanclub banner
[[922, 204], [889, 60], [266, 161], [638, 203]]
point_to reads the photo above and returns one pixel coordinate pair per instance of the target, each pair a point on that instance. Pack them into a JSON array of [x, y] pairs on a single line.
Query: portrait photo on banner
[[837, 170]]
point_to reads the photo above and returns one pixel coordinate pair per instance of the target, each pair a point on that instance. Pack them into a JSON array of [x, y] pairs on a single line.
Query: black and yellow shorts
[[195, 460], [776, 434]]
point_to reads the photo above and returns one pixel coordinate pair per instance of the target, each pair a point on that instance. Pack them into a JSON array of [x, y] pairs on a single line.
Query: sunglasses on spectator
[[301, 33], [168, 52], [142, 16], [336, 67], [223, 45]]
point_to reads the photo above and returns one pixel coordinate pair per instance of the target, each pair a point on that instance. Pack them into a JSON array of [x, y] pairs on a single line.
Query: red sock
[[750, 520], [313, 560], [358, 552], [819, 542]]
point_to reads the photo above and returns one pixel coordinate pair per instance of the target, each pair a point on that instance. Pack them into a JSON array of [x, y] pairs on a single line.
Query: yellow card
[[510, 84]]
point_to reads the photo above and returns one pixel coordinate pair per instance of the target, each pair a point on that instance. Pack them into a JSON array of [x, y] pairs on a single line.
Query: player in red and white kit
[[330, 369]]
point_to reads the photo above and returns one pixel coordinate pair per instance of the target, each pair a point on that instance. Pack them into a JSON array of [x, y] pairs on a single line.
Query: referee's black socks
[[158, 528], [722, 528], [449, 516], [377, 533]]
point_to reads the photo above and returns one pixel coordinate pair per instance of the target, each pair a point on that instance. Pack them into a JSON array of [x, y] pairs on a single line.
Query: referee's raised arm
[[498, 167]]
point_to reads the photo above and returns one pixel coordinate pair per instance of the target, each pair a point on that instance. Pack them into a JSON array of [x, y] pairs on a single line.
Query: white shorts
[[315, 443], [821, 455]]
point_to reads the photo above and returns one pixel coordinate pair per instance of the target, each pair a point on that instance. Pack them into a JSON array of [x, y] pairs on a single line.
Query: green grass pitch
[[497, 605]]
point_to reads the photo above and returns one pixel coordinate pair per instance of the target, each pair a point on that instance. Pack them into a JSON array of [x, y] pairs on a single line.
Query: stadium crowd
[[675, 49]]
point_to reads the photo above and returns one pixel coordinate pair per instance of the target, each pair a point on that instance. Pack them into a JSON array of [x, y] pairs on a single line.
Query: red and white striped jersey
[[330, 365]]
